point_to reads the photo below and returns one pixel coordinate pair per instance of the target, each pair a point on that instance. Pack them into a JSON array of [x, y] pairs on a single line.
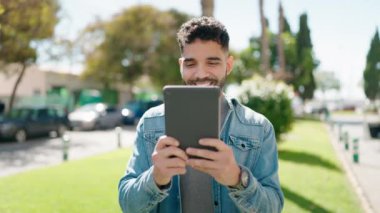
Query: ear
[[230, 64], [180, 63]]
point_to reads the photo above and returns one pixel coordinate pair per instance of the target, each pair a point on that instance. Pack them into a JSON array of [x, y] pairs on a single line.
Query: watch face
[[244, 178]]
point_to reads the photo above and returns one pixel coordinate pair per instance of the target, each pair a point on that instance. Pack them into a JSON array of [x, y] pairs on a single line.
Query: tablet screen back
[[191, 113]]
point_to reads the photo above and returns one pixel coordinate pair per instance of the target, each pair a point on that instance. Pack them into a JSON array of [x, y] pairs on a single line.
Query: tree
[[287, 28], [290, 52], [250, 58], [303, 36], [140, 40], [303, 79], [287, 44], [265, 55], [167, 68], [280, 44], [240, 72], [372, 71], [22, 25], [207, 7]]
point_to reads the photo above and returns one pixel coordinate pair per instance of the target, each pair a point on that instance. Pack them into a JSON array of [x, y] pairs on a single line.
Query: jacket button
[[216, 203]]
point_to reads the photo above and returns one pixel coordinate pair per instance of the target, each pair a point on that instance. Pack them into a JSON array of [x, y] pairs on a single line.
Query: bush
[[270, 98]]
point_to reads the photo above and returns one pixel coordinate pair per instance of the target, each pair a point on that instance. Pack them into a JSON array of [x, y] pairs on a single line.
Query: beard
[[210, 81]]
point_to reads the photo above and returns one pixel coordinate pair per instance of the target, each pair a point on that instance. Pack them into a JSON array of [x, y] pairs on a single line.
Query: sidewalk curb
[[350, 175]]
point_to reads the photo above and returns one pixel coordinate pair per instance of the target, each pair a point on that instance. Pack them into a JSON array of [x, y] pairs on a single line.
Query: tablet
[[192, 113]]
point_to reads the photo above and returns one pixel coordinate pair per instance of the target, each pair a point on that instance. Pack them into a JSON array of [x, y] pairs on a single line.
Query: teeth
[[204, 84]]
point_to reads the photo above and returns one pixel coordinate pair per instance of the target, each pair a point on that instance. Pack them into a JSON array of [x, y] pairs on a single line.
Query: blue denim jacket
[[252, 139]]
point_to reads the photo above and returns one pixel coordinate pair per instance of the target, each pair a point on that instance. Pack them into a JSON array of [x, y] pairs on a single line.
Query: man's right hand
[[168, 160]]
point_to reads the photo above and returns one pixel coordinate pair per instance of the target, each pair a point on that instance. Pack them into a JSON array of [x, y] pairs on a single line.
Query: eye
[[213, 63], [191, 64]]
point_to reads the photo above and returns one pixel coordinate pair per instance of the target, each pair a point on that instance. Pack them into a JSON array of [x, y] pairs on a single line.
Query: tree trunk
[[15, 87], [264, 41], [280, 45], [207, 7]]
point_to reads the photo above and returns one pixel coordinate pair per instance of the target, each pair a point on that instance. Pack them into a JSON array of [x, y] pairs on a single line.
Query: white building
[[37, 83]]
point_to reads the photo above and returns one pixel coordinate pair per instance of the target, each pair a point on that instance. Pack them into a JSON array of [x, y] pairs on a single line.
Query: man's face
[[205, 63]]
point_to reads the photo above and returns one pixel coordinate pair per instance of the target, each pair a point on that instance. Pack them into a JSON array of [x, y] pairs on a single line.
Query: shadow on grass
[[304, 203], [306, 158]]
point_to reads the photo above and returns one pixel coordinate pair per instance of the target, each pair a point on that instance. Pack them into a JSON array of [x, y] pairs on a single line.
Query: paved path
[[365, 175], [37, 153]]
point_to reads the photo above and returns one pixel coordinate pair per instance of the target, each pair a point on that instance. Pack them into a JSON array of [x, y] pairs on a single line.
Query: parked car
[[24, 122], [134, 110], [95, 116], [2, 108]]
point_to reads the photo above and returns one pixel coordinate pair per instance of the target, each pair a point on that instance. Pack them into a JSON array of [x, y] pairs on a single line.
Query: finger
[[204, 164], [176, 171], [172, 151], [201, 169], [174, 163], [165, 141], [212, 142], [204, 153]]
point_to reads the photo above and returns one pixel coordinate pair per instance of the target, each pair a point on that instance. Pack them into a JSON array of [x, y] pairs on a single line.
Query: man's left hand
[[220, 164]]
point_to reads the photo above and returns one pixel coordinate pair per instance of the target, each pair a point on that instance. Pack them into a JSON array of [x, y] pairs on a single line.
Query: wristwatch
[[243, 180]]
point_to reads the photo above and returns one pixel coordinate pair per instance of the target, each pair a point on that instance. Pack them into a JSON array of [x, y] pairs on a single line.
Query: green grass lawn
[[311, 176], [344, 112], [88, 185]]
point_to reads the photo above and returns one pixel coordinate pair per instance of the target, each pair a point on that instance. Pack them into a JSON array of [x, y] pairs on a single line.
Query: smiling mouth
[[203, 82]]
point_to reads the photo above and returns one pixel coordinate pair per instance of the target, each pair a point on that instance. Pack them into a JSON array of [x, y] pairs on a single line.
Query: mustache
[[213, 81]]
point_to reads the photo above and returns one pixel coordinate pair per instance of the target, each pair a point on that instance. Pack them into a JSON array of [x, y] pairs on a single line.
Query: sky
[[341, 30]]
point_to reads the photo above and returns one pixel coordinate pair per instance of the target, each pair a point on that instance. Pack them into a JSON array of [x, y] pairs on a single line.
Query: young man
[[245, 166]]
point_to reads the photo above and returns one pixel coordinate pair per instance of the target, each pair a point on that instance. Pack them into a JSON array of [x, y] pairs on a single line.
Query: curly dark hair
[[204, 28]]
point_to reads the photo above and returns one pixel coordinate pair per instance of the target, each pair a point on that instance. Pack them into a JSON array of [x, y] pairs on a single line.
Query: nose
[[201, 72]]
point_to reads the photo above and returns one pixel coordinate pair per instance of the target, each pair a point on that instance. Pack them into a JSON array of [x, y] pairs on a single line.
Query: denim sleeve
[[137, 190], [263, 193]]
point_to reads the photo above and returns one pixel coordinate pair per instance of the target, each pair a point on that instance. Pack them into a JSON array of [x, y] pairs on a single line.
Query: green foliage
[[166, 70], [303, 78], [140, 40], [287, 28], [240, 71], [290, 51], [303, 36], [272, 99], [22, 23], [250, 57], [372, 70], [299, 58]]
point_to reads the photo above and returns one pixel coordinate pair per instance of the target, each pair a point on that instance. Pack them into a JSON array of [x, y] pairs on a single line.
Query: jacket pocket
[[246, 150], [151, 138], [153, 135]]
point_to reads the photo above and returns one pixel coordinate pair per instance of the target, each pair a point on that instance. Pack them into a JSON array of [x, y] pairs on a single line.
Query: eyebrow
[[209, 58], [187, 59], [214, 59]]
